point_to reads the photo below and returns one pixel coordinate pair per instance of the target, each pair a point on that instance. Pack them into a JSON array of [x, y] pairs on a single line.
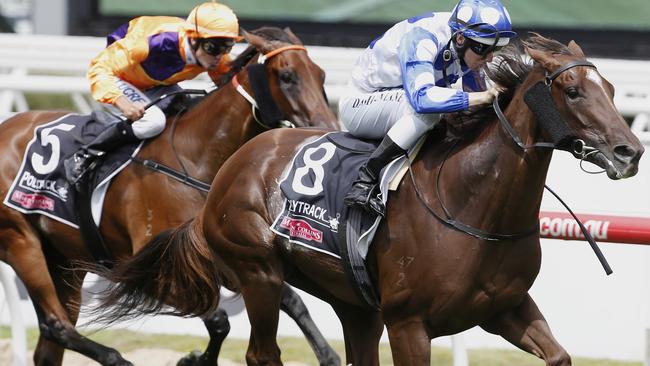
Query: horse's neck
[[213, 130], [490, 182]]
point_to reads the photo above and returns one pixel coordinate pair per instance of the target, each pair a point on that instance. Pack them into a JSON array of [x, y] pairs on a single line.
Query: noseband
[[539, 100], [266, 113]]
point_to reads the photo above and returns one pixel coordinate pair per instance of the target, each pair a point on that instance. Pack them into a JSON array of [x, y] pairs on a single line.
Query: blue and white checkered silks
[[398, 86], [491, 14], [409, 56]]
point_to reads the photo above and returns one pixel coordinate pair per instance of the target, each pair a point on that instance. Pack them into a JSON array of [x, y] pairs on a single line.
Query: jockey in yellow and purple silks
[[144, 59]]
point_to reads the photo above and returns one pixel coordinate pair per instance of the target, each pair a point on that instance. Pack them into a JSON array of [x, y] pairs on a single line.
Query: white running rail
[[57, 64], [18, 332]]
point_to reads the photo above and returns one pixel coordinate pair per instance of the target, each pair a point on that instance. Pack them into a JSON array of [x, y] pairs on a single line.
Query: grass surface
[[297, 349]]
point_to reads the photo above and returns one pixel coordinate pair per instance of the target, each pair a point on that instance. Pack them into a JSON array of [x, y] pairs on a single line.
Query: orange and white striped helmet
[[210, 20]]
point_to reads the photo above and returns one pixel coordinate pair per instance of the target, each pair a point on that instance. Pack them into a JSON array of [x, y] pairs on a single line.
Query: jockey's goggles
[[216, 46], [481, 49]]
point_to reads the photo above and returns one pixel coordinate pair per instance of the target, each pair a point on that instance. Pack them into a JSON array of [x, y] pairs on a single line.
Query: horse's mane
[[509, 70], [273, 34], [268, 33]]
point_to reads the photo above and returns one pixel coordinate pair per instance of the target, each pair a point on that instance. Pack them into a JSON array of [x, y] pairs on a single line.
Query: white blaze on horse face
[[598, 80], [593, 76]]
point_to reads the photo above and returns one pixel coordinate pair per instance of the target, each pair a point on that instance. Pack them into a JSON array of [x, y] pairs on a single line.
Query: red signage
[[301, 229], [33, 201], [616, 229]]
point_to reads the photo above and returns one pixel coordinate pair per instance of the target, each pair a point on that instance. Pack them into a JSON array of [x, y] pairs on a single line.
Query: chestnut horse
[[141, 202], [432, 278]]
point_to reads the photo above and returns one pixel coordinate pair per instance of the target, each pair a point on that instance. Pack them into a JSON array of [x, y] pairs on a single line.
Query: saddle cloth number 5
[[38, 161]]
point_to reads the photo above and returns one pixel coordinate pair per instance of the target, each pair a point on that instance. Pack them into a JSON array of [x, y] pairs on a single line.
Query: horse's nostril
[[625, 153]]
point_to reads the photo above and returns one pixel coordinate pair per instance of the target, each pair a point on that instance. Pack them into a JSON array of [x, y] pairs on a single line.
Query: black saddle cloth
[[41, 186], [321, 174]]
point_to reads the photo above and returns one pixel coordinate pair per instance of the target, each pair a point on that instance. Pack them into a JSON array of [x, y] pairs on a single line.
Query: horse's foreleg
[[526, 328], [293, 306], [57, 330], [362, 328], [68, 286], [23, 251], [409, 342]]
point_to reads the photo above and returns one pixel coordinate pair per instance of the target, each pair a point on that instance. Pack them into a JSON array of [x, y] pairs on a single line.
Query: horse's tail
[[175, 273]]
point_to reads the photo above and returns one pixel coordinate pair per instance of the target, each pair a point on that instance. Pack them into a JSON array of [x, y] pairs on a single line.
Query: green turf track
[[297, 349]]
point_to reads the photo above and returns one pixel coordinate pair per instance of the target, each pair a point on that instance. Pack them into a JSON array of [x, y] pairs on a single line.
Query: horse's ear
[[292, 36], [575, 49], [258, 42], [548, 61]]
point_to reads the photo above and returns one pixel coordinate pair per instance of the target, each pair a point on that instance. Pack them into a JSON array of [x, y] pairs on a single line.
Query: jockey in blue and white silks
[[401, 83]]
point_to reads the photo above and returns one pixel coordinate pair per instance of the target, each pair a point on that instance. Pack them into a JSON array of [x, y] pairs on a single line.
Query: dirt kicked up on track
[[140, 357]]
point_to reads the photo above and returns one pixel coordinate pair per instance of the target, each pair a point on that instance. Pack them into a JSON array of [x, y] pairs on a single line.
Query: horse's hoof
[[114, 358], [192, 359]]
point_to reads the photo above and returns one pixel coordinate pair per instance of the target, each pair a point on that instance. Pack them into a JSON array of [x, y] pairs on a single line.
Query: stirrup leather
[[367, 196], [78, 165]]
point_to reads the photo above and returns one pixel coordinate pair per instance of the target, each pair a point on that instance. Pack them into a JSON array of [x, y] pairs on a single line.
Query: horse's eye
[[572, 93]]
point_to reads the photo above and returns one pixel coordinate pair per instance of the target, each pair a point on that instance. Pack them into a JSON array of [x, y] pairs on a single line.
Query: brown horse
[[141, 202], [433, 279]]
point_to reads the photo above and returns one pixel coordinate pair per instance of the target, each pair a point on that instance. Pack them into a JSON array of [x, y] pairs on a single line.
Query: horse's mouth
[[615, 170]]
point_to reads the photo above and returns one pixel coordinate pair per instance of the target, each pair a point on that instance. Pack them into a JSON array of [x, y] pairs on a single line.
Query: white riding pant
[[152, 122], [385, 112]]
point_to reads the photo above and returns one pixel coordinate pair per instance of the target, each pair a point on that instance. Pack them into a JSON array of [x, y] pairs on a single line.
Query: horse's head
[[584, 100], [295, 83]]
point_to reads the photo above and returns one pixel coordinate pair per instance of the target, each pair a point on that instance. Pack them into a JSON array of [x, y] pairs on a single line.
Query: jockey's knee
[[151, 124], [410, 127]]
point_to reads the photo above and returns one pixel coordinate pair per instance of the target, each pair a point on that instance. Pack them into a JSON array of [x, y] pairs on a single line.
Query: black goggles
[[481, 49], [216, 46]]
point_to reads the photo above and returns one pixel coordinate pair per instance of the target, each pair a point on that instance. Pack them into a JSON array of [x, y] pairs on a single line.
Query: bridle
[[578, 147], [266, 101]]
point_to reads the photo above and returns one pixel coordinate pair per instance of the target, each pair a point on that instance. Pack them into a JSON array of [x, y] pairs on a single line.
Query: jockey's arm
[[109, 66], [416, 52], [479, 94]]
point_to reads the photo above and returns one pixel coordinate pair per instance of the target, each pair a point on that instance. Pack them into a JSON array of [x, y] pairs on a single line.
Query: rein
[[449, 221], [578, 147]]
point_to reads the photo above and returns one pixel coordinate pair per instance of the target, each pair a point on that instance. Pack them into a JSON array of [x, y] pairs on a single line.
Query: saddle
[[314, 215]]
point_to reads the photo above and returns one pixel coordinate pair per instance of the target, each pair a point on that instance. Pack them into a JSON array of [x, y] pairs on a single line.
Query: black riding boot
[[365, 190], [114, 136]]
